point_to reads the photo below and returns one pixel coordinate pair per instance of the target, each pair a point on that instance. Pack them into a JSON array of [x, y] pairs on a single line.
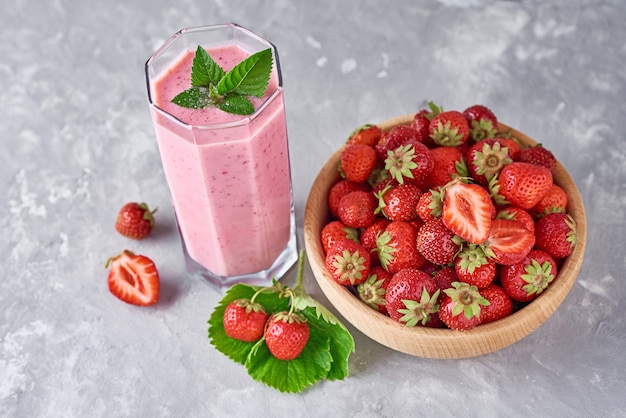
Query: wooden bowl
[[436, 342]]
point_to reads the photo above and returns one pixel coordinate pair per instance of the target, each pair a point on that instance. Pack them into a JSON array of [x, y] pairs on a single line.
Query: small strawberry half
[[245, 320], [286, 335], [133, 279], [509, 241], [135, 220], [467, 210]]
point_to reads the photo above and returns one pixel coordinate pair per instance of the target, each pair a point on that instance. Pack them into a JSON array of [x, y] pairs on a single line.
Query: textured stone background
[[78, 143]]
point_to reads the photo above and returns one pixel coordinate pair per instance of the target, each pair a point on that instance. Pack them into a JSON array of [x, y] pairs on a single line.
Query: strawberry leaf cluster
[[325, 355], [228, 91]]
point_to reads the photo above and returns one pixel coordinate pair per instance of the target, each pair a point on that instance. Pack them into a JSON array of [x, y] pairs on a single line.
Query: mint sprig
[[325, 355], [228, 91]]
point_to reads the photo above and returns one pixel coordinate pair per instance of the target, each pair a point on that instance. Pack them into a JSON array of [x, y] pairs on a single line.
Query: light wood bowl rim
[[432, 342]]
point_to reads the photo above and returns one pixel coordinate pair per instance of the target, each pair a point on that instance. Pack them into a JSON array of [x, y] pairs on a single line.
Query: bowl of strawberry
[[444, 233]]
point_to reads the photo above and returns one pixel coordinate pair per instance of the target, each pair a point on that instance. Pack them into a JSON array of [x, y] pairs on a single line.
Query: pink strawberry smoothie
[[228, 174]]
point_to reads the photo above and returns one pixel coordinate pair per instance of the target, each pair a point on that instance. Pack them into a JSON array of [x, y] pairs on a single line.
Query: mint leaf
[[194, 98], [295, 375], [250, 77], [204, 70], [237, 104]]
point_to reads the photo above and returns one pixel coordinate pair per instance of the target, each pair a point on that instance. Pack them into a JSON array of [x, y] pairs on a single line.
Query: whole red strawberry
[[486, 158], [357, 162], [448, 163], [482, 122], [474, 267], [399, 203], [445, 276], [409, 163], [348, 262], [372, 291], [556, 234], [339, 190], [436, 242], [555, 200], [245, 320], [524, 184], [538, 155], [286, 335], [430, 205], [369, 236], [526, 280], [367, 134], [133, 278], [336, 231], [460, 308], [396, 247], [500, 304], [411, 297], [449, 128], [398, 136], [421, 122], [135, 220], [357, 209]]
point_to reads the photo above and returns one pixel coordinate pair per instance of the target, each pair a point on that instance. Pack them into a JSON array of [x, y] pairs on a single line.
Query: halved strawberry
[[509, 241], [133, 278], [467, 210]]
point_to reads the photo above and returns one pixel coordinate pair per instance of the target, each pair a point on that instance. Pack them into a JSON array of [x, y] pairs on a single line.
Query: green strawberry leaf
[[194, 98], [237, 104], [250, 77], [341, 341], [295, 375], [204, 70]]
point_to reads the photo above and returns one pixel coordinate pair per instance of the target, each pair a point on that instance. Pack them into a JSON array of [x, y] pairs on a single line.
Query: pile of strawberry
[[446, 222]]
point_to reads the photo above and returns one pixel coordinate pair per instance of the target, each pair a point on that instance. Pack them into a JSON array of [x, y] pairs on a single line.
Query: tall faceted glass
[[228, 175]]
